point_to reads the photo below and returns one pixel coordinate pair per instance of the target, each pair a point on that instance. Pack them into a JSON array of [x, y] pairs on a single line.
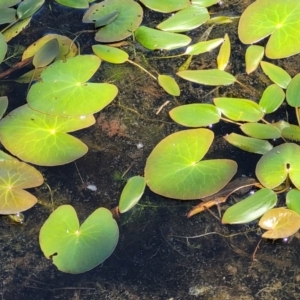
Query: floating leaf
[[14, 30], [224, 53], [261, 131], [280, 223], [203, 47], [169, 84], [110, 54], [174, 168], [276, 74], [67, 47], [245, 143], [207, 77], [291, 132], [279, 18], [107, 19], [195, 115], [253, 57], [238, 109], [272, 98], [42, 139], [74, 4], [186, 19], [166, 6], [3, 105], [251, 208], [16, 176], [46, 54], [205, 3], [7, 15], [3, 48], [155, 39], [28, 7], [293, 91], [8, 3], [293, 200], [76, 249], [64, 90], [282, 161], [128, 20], [132, 193]]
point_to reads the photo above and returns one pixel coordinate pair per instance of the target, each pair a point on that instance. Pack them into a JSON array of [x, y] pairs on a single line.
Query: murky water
[[156, 258]]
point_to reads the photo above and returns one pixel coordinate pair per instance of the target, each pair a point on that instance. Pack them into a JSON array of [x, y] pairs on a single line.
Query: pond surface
[[154, 258]]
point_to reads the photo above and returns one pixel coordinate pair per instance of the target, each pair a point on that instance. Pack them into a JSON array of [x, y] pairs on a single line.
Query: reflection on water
[[158, 255]]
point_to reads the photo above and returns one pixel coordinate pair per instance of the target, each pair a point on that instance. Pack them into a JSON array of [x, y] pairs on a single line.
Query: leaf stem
[[139, 66]]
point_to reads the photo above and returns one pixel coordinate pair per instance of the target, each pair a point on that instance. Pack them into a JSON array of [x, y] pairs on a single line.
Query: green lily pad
[[156, 39], [207, 77], [166, 6], [280, 19], [195, 115], [16, 176], [249, 144], [251, 208], [169, 84], [186, 19], [76, 249], [203, 47], [29, 7], [42, 139], [238, 109], [128, 20], [261, 131], [253, 57], [110, 54], [276, 74], [74, 4], [282, 161], [292, 92], [280, 223], [64, 91], [292, 200], [132, 193], [174, 168], [272, 97]]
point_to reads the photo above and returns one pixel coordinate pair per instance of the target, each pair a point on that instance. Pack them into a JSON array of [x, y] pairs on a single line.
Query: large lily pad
[[42, 139], [174, 168], [280, 19], [76, 249], [128, 20], [282, 161], [64, 91], [16, 176]]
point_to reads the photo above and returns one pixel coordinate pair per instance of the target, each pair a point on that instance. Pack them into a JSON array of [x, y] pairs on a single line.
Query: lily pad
[[251, 208], [76, 249], [128, 20], [282, 161], [42, 139], [156, 39], [64, 91], [16, 176], [280, 19], [174, 168], [280, 223]]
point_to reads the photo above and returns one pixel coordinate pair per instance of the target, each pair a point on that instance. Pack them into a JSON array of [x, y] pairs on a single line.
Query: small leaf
[[276, 74], [169, 84], [3, 48], [205, 3], [291, 132], [195, 115], [166, 6], [293, 92], [207, 77], [3, 105], [251, 208], [132, 193], [46, 54], [107, 19], [14, 30], [261, 131], [7, 15], [203, 47], [253, 57], [249, 144], [272, 98], [155, 39], [280, 223], [292, 200], [8, 3], [28, 7], [110, 54], [74, 4], [224, 53]]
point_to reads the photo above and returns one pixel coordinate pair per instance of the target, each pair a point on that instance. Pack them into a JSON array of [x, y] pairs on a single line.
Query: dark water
[[149, 261]]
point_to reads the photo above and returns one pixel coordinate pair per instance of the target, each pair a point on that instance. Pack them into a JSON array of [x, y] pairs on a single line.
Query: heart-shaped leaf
[[282, 161], [42, 139], [76, 249], [174, 168], [280, 223], [64, 91], [16, 176]]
